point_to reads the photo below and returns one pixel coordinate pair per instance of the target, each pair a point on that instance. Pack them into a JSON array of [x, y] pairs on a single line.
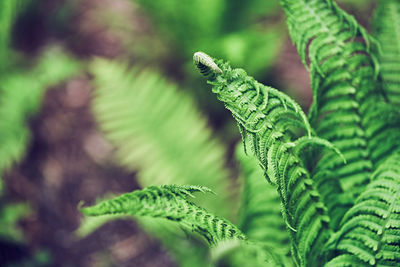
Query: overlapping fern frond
[[387, 31], [340, 206], [270, 123], [170, 202], [343, 65], [260, 217], [156, 130], [370, 231]]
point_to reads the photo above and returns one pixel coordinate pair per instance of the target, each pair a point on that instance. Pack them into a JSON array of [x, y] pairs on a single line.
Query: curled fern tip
[[206, 65]]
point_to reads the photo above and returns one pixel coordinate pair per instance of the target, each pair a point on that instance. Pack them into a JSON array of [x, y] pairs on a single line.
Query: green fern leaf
[[260, 216], [369, 232], [170, 202], [269, 122], [156, 130], [238, 253], [341, 57], [387, 31]]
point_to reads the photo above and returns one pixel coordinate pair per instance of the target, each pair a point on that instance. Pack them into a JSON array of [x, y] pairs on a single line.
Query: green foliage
[[370, 231], [170, 202], [341, 57], [157, 130], [387, 31], [21, 93], [218, 26], [10, 214], [339, 205], [202, 17], [270, 123], [260, 217], [8, 11], [238, 253], [22, 87]]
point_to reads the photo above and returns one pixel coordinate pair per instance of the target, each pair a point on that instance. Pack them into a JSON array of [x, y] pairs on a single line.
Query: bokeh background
[[58, 58]]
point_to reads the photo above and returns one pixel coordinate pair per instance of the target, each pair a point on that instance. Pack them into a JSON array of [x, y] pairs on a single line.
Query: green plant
[[337, 172]]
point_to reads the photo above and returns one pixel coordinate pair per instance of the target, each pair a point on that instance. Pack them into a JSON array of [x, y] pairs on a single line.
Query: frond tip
[[206, 65], [169, 202]]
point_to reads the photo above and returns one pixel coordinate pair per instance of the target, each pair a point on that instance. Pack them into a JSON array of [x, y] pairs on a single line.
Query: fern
[[369, 232], [387, 31], [342, 61], [260, 218], [169, 201], [156, 130], [238, 253], [340, 205], [269, 122]]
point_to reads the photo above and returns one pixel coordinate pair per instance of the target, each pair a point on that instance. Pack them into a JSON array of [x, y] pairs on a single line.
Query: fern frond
[[156, 130], [341, 57], [387, 31], [269, 122], [369, 232], [260, 217], [170, 202], [168, 233], [238, 253]]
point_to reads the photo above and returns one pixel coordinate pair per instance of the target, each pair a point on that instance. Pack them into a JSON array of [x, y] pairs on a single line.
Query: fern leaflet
[[169, 202], [260, 217]]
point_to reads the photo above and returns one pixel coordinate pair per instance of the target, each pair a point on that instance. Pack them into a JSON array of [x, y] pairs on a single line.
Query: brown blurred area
[[68, 159]]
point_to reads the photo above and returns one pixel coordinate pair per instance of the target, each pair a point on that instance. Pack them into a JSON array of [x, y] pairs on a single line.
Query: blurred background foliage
[[101, 97]]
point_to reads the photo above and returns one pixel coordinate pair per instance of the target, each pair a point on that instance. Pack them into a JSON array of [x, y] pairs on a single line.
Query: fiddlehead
[[206, 65]]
